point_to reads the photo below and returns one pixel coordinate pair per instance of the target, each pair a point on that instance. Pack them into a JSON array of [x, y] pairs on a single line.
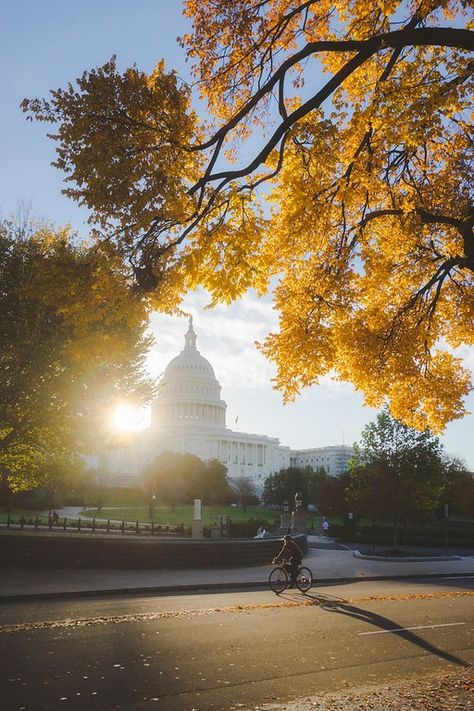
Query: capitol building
[[189, 416]]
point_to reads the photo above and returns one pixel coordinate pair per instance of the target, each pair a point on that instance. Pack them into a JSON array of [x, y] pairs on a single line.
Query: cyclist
[[291, 557]]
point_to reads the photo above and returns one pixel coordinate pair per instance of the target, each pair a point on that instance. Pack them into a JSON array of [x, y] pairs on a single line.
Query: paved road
[[217, 652]]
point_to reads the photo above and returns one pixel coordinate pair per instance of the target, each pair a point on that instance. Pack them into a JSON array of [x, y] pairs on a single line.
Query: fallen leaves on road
[[434, 692], [306, 601]]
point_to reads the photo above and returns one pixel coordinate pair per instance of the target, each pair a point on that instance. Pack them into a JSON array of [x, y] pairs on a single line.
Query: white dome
[[189, 392], [189, 364]]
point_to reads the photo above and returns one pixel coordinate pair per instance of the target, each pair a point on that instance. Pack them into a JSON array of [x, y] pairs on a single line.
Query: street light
[[152, 506]]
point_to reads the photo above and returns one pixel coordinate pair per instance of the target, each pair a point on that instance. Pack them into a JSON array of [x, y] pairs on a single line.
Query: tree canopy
[[73, 342], [281, 487], [356, 119], [459, 488], [398, 473], [244, 490], [180, 478], [332, 498]]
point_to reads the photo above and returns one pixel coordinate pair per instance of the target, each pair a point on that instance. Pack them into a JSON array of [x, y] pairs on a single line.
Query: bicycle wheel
[[304, 579], [278, 580]]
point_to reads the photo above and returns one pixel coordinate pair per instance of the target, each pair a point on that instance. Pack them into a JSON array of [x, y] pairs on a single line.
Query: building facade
[[189, 416], [334, 459]]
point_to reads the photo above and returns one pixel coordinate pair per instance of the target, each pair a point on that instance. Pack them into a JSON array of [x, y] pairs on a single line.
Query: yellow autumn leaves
[[356, 210]]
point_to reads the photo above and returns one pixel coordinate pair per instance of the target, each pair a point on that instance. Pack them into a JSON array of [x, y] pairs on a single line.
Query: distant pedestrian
[[325, 526]]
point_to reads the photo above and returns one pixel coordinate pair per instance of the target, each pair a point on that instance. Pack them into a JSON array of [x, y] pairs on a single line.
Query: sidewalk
[[327, 565]]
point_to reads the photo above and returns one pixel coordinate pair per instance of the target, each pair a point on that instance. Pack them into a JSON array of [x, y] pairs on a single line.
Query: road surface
[[234, 650]]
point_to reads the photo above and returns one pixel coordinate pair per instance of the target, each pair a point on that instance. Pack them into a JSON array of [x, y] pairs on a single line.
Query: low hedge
[[459, 533]]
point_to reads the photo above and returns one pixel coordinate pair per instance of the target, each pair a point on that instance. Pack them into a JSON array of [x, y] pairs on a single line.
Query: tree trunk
[[6, 494], [9, 500]]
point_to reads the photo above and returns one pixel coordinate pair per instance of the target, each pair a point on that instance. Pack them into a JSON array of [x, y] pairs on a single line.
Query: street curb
[[151, 590], [407, 558], [207, 587]]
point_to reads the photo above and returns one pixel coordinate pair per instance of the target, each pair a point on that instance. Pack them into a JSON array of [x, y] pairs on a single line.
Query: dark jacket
[[291, 552]]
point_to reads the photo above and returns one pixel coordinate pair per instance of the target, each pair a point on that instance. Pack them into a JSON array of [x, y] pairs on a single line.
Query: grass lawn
[[184, 514], [166, 516]]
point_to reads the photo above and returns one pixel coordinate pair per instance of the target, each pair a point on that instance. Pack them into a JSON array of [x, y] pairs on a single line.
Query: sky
[[49, 43]]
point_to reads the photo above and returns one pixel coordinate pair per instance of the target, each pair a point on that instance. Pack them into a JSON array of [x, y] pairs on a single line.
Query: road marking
[[420, 627]]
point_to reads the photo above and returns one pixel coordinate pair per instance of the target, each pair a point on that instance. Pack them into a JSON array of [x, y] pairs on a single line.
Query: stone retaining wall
[[63, 550]]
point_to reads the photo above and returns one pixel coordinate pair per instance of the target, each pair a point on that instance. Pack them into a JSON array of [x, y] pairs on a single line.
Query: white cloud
[[467, 355], [226, 337]]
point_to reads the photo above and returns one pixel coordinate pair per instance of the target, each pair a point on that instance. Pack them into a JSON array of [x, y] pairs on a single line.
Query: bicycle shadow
[[342, 607]]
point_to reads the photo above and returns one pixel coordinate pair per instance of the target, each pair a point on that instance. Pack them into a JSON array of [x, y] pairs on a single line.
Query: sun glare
[[128, 419]]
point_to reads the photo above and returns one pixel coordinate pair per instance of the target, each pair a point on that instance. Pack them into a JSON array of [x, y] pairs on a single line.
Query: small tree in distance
[[398, 473], [245, 491], [280, 488], [459, 489], [214, 487], [332, 495], [180, 478], [166, 477]]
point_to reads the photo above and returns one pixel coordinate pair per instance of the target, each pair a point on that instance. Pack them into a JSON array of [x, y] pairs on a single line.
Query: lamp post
[[446, 518], [285, 520], [151, 506]]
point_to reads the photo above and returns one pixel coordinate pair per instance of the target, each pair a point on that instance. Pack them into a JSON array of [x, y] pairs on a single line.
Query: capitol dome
[[189, 393]]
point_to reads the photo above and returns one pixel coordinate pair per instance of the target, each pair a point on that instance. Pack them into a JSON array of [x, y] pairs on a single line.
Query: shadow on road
[[341, 607]]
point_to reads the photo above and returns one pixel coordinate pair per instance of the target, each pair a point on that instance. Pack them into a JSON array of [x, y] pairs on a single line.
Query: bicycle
[[280, 578]]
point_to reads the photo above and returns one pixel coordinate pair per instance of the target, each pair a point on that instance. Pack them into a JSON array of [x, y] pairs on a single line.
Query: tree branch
[[407, 37], [431, 36]]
